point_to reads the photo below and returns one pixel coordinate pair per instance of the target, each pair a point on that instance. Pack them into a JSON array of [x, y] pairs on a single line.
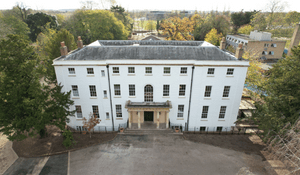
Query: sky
[[204, 5]]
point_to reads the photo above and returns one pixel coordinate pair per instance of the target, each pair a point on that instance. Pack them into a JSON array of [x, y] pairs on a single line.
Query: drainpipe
[[188, 119], [111, 109]]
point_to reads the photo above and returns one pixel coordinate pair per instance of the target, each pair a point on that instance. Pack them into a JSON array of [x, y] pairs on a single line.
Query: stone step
[[147, 131]]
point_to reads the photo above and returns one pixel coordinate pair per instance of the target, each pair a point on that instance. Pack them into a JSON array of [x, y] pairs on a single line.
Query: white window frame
[[210, 71], [95, 110], [271, 52], [93, 91], [90, 71], [107, 117], [117, 89], [201, 128], [219, 128], [183, 70], [105, 93], [131, 88], [166, 90], [273, 45], [167, 70], [71, 70], [116, 70], [182, 90], [78, 111], [226, 91], [180, 111], [148, 70], [102, 73], [230, 71], [131, 70], [207, 92], [119, 111], [204, 114], [222, 112], [75, 91]]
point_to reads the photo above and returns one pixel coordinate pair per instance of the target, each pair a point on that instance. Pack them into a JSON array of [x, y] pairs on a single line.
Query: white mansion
[[187, 83]]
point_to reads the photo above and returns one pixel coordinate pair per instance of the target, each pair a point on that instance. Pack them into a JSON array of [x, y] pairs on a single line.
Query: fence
[[220, 130], [97, 129], [176, 125]]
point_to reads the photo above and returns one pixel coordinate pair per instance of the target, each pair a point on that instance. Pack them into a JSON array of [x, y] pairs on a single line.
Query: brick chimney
[[223, 44], [295, 39], [63, 49], [79, 43], [239, 51]]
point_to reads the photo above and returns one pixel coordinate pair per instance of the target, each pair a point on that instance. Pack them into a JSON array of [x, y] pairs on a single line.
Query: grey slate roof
[[149, 50]]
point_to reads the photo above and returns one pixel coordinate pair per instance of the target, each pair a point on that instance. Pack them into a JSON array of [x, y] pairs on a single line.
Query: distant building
[[259, 43]]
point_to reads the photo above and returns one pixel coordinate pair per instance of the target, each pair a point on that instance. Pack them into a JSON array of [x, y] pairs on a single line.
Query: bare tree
[[90, 123], [273, 7], [21, 10], [89, 5]]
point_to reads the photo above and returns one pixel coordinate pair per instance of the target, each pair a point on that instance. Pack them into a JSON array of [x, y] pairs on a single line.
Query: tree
[[241, 18], [90, 123], [124, 17], [60, 18], [178, 29], [213, 37], [281, 103], [37, 21], [150, 25], [26, 104], [246, 29], [88, 5], [274, 6], [9, 24], [292, 18], [22, 11], [157, 25], [259, 21], [94, 25]]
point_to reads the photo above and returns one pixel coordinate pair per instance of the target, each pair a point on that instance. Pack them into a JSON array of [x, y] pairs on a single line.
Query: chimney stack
[[79, 43], [63, 49], [295, 39], [223, 44], [239, 51]]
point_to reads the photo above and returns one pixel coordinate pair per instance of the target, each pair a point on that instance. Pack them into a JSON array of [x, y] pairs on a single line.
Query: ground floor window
[[202, 128], [78, 111], [119, 110], [219, 128], [95, 111], [180, 110]]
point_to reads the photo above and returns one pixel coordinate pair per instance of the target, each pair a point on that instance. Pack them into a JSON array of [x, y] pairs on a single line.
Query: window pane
[[166, 90], [75, 90], [102, 73], [117, 89], [71, 70], [119, 110], [148, 70], [183, 70], [93, 92], [207, 91], [107, 115], [211, 71], [90, 70], [182, 90], [226, 91], [222, 112], [148, 93], [180, 110], [204, 112], [131, 70], [230, 71], [131, 90], [167, 70], [105, 93], [116, 70], [78, 111], [95, 111]]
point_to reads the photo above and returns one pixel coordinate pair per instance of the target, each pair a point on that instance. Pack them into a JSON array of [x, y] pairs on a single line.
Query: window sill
[[71, 75], [229, 75], [204, 120], [207, 98], [78, 119], [93, 97], [107, 119], [131, 97], [183, 74], [115, 74], [75, 98], [166, 74], [221, 120], [105, 98], [130, 74], [166, 97], [181, 97], [210, 75], [117, 96], [119, 118], [181, 118], [148, 74], [224, 98], [90, 75]]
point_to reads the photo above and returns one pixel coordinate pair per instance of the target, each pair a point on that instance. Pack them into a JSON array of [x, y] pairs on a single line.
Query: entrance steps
[[148, 131]]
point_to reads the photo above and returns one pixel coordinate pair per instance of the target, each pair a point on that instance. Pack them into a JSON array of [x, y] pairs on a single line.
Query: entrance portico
[[147, 113]]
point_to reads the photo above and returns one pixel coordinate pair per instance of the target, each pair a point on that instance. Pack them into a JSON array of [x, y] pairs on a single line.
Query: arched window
[[148, 91]]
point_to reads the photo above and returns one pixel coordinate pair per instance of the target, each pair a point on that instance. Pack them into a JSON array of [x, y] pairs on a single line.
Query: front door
[[148, 116]]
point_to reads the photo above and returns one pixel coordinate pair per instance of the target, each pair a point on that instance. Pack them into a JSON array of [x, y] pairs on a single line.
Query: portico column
[[129, 119], [167, 120], [139, 119], [157, 116]]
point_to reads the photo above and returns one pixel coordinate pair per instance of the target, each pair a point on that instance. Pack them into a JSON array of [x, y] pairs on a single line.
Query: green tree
[[292, 18], [213, 37], [246, 29], [124, 17], [94, 25], [28, 104], [157, 25], [259, 21], [281, 102], [37, 21], [241, 18], [150, 25]]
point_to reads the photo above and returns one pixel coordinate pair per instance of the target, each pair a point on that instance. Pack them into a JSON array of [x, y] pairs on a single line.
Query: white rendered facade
[[192, 103]]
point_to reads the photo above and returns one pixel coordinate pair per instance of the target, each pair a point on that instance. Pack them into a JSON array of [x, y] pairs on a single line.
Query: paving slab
[[7, 154], [56, 165]]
